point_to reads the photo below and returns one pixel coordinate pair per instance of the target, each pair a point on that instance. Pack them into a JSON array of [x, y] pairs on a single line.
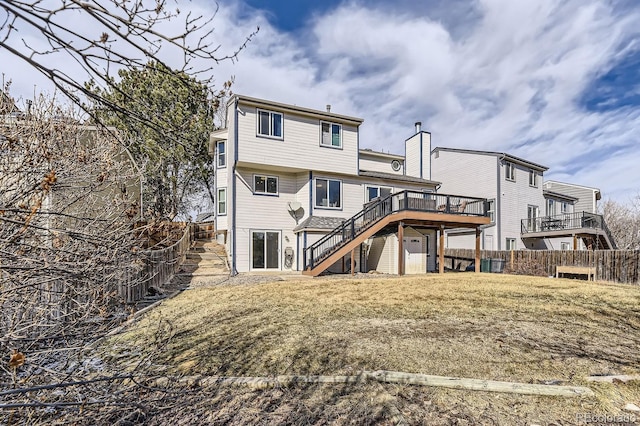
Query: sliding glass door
[[265, 250]]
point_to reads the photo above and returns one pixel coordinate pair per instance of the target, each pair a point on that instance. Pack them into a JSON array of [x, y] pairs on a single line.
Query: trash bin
[[485, 265], [497, 265]]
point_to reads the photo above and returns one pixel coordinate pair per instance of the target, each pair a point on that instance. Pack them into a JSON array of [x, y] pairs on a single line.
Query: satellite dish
[[294, 205]]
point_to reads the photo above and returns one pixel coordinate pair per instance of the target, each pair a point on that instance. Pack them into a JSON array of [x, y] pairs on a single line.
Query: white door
[[413, 255], [488, 242]]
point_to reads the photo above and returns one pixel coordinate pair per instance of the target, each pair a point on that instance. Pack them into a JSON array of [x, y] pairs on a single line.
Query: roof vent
[[328, 108], [418, 126]]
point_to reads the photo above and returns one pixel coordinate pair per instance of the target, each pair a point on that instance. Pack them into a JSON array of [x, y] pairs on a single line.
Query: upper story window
[[396, 165], [267, 185], [270, 124], [564, 208], [331, 135], [510, 171], [222, 201], [551, 207], [373, 192], [492, 210], [222, 154], [533, 178], [328, 193]]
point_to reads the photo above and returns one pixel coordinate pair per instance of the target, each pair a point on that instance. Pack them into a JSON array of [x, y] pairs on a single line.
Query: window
[[511, 243], [564, 208], [373, 192], [222, 154], [329, 193], [510, 171], [270, 124], [222, 201], [565, 246], [265, 185], [331, 135], [551, 207], [395, 165], [533, 178], [492, 210]]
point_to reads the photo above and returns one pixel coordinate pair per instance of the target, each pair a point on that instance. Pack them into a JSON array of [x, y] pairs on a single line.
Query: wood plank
[[480, 385], [382, 376]]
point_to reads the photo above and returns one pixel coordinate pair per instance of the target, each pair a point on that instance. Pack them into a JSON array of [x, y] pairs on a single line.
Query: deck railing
[[567, 221], [382, 207]]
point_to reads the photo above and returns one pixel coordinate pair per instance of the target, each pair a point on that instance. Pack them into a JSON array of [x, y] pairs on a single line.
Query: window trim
[[507, 240], [268, 194], [535, 178], [491, 211], [224, 155], [565, 244], [271, 113], [564, 208], [551, 207], [330, 123], [510, 171], [366, 191], [265, 231], [224, 190], [315, 194]]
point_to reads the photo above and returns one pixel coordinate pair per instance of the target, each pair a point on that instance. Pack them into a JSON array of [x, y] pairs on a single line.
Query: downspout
[[234, 269], [498, 212]]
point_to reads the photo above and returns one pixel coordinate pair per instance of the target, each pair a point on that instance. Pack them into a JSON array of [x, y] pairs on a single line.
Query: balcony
[[589, 226]]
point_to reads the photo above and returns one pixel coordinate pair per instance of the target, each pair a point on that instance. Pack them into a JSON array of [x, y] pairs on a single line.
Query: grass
[[487, 326]]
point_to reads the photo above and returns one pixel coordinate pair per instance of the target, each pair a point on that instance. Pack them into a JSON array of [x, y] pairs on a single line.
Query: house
[[525, 212], [296, 192]]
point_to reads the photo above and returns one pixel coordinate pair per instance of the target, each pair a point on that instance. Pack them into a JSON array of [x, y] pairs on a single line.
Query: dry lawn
[[487, 326]]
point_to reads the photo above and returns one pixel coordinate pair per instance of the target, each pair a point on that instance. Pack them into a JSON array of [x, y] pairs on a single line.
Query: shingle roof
[[401, 178], [319, 223]]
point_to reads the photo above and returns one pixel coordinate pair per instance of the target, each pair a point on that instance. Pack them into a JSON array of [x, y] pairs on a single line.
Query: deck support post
[[400, 248], [353, 261], [477, 264], [575, 242], [441, 250]]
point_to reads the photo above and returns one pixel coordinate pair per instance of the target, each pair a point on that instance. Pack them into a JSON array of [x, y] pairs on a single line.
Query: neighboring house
[[296, 192], [525, 212]]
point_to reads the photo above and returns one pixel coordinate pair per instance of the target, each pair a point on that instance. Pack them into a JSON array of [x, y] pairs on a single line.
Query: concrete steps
[[206, 258]]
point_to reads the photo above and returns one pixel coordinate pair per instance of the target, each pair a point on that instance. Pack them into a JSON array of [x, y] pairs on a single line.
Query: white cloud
[[509, 80]]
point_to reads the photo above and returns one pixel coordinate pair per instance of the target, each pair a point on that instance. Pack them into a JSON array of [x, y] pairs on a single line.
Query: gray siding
[[586, 196]]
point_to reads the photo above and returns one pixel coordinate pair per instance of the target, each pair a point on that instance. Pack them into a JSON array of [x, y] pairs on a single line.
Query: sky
[[556, 82]]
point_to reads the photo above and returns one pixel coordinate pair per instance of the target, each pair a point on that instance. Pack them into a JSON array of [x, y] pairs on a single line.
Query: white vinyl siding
[[330, 134], [373, 163], [298, 150], [265, 185]]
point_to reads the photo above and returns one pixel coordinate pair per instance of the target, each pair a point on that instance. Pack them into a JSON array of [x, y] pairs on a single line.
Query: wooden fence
[[622, 266], [159, 267]]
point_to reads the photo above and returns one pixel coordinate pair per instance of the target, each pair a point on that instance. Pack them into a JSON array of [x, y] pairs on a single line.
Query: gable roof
[[547, 193], [504, 155], [263, 103]]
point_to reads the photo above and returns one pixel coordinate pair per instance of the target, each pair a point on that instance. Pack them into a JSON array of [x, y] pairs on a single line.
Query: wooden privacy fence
[[159, 267], [622, 266]]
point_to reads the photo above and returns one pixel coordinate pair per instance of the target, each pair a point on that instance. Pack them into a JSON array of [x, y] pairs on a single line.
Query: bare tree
[[623, 221], [67, 204]]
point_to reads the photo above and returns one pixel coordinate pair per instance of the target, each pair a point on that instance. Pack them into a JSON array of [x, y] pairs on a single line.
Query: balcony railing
[[382, 207], [566, 221]]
